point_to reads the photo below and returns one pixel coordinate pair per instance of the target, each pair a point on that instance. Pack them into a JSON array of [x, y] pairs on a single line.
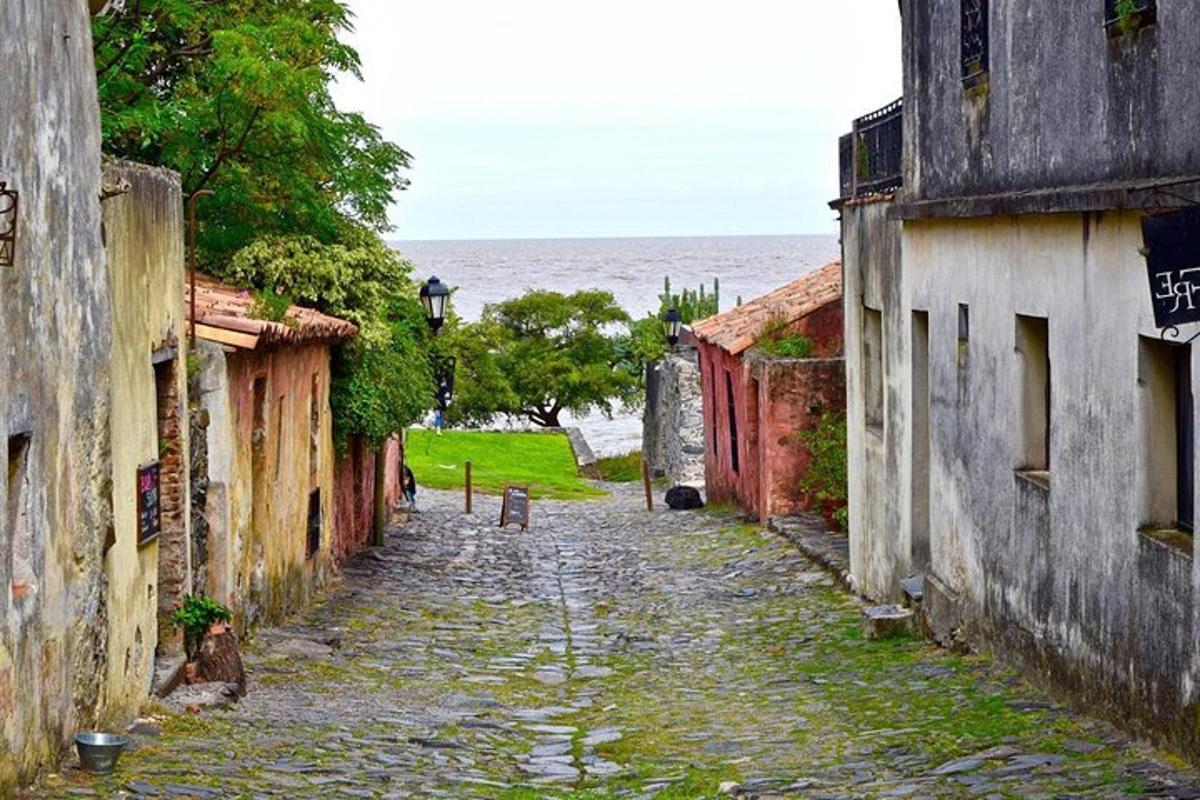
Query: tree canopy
[[382, 378], [538, 355], [234, 95]]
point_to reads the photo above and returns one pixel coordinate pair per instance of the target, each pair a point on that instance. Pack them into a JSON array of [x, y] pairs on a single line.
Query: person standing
[[410, 488]]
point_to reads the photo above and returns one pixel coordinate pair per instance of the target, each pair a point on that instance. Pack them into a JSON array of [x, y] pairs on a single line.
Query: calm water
[[632, 269]]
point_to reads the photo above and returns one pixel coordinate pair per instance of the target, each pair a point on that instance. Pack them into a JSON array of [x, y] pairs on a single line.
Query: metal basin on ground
[[98, 752]]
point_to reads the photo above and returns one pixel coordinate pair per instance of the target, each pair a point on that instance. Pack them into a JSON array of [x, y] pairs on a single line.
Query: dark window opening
[[18, 517], [1033, 351], [733, 429], [964, 323], [712, 391], [314, 427], [1185, 441], [872, 354], [314, 523], [1167, 436], [975, 46], [258, 436]]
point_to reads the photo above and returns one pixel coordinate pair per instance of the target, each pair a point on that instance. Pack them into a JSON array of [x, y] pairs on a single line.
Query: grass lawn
[[541, 461], [621, 469]]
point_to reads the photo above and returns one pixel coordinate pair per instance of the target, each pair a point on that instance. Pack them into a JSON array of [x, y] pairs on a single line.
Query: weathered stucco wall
[[144, 241], [354, 495], [768, 397], [1058, 578], [879, 454], [265, 458], [794, 394], [673, 427], [1066, 103], [54, 396]]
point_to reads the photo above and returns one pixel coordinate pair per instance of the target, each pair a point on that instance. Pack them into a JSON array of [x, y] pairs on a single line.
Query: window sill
[[1171, 538], [1036, 477]]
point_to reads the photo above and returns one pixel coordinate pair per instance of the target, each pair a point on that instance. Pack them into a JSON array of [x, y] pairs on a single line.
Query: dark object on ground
[[682, 498], [219, 661], [98, 752]]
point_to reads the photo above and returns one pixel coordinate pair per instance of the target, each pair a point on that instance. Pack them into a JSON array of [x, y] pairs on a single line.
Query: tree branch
[[224, 154]]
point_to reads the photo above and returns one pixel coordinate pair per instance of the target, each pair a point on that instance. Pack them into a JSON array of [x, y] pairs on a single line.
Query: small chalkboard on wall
[[148, 503], [515, 508]]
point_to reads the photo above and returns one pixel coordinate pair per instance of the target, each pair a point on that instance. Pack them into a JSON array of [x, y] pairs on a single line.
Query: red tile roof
[[738, 329], [224, 314]]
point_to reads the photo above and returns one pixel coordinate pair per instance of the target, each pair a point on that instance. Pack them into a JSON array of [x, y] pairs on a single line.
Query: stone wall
[[679, 419], [144, 240], [55, 323]]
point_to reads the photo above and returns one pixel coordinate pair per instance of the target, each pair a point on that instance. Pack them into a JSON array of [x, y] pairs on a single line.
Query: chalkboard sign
[[148, 503], [515, 508]]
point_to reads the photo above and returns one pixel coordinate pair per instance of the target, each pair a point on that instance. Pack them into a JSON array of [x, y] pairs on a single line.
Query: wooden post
[[468, 487], [380, 498], [646, 483]]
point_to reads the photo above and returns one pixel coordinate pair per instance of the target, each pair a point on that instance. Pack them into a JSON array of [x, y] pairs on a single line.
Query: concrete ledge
[[810, 534], [585, 459]]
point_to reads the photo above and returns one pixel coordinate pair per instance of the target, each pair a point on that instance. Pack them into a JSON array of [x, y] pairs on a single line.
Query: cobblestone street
[[609, 653]]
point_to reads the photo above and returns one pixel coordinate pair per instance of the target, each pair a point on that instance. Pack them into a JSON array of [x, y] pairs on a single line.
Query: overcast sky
[[545, 118]]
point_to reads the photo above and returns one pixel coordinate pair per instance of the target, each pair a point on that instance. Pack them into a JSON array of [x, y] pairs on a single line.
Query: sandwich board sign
[[514, 510]]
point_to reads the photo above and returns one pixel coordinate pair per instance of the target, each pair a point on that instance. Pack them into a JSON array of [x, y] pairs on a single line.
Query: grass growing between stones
[[542, 461]]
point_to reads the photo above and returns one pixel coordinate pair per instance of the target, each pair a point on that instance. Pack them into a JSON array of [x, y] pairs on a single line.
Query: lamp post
[[672, 324], [434, 296]]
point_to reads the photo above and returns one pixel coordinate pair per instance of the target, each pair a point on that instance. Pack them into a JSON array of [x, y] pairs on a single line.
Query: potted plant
[[198, 615]]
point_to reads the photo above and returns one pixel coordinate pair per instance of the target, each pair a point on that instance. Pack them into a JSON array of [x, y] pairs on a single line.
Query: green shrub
[[194, 616], [778, 340], [825, 482]]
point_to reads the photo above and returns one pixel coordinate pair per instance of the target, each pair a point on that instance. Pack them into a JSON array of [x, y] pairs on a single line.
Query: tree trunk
[[545, 418], [218, 660]]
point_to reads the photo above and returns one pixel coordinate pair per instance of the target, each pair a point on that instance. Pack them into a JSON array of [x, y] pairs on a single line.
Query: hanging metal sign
[[1173, 260]]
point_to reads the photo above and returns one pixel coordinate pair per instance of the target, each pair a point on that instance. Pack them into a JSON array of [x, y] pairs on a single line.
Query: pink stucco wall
[[772, 402], [354, 492]]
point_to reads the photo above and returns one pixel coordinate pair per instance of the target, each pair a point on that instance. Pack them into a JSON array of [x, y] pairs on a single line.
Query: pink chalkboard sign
[[148, 503]]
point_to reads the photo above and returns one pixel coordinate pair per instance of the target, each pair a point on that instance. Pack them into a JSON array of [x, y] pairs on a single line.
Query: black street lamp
[[672, 324], [434, 295]]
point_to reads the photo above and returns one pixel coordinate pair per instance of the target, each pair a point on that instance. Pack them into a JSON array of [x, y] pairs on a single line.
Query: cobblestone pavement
[[610, 653]]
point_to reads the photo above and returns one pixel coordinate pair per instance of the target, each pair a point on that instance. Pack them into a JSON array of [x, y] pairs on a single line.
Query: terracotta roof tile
[[738, 329], [224, 314]]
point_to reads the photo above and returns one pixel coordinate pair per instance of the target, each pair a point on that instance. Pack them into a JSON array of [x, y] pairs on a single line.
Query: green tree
[[540, 354], [381, 379], [235, 96]]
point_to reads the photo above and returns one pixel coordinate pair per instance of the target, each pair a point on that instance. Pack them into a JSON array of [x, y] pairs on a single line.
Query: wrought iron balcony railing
[[871, 154]]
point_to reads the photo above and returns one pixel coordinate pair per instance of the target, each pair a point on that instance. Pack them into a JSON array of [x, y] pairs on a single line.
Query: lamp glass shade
[[434, 296], [672, 325]]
